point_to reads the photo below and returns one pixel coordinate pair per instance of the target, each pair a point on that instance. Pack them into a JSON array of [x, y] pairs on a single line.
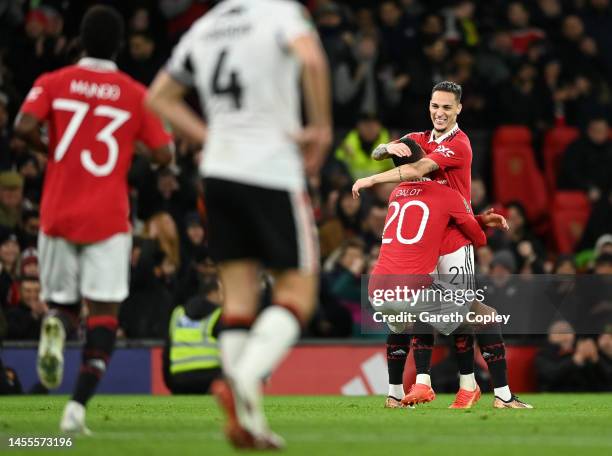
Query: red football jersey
[[453, 154], [94, 115], [418, 215]]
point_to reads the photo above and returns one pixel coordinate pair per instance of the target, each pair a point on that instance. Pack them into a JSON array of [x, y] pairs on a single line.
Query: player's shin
[[398, 347], [464, 349], [99, 345], [232, 340], [422, 346], [493, 351]]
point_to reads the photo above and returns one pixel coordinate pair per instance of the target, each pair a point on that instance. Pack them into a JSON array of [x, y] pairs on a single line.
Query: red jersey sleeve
[[419, 137], [461, 214], [38, 100], [447, 156], [152, 131]]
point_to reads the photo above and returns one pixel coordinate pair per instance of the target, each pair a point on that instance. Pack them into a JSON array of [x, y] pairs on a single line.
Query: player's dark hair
[[102, 32], [449, 86], [415, 156]]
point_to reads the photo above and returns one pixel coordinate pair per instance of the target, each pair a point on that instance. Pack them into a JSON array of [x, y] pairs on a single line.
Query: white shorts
[[98, 271], [457, 268]]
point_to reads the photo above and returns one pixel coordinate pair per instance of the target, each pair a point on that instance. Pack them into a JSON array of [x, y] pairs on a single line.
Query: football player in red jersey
[[449, 159], [94, 114]]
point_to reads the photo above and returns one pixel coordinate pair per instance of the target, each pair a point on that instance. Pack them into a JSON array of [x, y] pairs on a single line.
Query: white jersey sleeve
[[180, 65], [296, 22]]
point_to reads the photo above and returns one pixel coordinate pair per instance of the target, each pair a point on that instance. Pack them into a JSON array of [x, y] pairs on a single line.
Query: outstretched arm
[[27, 127], [400, 174]]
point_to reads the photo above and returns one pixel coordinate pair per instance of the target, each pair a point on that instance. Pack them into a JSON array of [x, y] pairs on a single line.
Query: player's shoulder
[[56, 75], [459, 138], [420, 137]]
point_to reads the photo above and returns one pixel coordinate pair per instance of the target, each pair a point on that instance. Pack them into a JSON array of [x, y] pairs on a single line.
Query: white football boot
[[50, 360], [73, 419]]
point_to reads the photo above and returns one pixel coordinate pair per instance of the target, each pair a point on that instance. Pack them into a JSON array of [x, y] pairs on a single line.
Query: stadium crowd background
[[532, 72]]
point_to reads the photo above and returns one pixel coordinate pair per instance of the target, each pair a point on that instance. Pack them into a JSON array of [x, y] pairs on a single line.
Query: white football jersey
[[237, 58]]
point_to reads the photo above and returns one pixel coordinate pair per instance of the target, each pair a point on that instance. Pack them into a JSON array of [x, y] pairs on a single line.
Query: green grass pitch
[[576, 424]]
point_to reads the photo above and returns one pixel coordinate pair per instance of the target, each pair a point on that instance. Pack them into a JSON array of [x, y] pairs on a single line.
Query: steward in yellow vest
[[191, 355]]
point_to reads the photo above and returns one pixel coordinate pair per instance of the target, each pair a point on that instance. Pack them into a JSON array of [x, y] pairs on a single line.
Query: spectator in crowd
[[25, 318], [335, 35], [373, 224], [344, 276], [363, 82], [9, 253], [11, 198], [597, 19], [30, 226], [528, 251], [331, 318], [566, 364], [5, 133], [30, 169], [480, 201], [141, 60], [584, 166], [461, 27], [146, 311], [522, 32], [165, 190], [345, 223], [496, 59], [547, 15], [586, 163], [519, 100], [354, 151]]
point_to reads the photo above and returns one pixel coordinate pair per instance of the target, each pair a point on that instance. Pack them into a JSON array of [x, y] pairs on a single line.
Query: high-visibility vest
[[357, 160], [192, 344]]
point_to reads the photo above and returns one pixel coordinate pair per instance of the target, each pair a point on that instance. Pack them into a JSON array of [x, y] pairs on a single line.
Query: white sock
[[270, 339], [467, 382], [424, 379], [231, 345], [396, 391], [273, 334], [503, 393]]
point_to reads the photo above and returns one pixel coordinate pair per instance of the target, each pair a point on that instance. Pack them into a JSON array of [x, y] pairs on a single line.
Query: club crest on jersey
[[444, 151]]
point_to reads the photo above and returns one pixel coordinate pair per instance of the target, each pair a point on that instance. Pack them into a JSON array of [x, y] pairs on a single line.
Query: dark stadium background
[[537, 80]]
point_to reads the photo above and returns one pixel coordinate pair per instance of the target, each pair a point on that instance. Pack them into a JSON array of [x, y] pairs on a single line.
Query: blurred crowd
[[539, 64]]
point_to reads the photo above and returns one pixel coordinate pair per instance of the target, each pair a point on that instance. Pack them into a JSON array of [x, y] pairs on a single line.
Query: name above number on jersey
[[401, 211], [79, 110], [444, 151], [92, 90], [232, 87], [408, 192]]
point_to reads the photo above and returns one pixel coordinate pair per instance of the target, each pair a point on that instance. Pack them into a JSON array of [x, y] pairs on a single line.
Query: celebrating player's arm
[[396, 175]]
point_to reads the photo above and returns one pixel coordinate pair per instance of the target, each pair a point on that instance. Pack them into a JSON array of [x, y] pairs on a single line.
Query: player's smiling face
[[443, 110]]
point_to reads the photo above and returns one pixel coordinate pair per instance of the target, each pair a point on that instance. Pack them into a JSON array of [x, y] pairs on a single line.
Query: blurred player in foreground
[[94, 114], [449, 159], [246, 59]]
